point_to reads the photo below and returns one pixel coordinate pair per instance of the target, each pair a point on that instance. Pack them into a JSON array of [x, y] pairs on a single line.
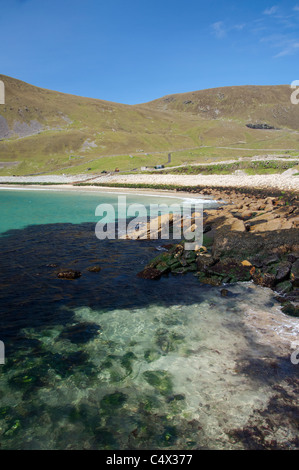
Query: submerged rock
[[150, 273], [160, 380], [94, 269], [28, 380], [126, 361], [290, 309], [169, 436], [70, 274], [224, 293], [151, 356], [80, 333], [113, 401], [178, 397]]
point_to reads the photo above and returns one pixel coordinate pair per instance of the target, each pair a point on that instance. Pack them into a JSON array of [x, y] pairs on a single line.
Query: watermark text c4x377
[[2, 92], [2, 353], [295, 93]]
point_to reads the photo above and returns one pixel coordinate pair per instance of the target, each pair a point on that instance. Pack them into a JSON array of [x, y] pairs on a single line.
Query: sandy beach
[[285, 181]]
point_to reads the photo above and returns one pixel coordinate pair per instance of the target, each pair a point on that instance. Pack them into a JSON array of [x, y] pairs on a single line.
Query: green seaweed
[[151, 356], [290, 309], [126, 361], [112, 401], [169, 436], [160, 380]]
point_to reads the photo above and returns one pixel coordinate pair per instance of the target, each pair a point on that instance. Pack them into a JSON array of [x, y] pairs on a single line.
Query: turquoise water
[[112, 361], [33, 207]]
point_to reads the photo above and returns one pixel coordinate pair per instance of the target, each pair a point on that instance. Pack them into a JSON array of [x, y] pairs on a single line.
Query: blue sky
[[133, 51]]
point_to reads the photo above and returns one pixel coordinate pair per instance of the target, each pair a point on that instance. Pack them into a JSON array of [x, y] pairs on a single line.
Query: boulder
[[284, 287], [230, 269], [292, 257], [94, 269], [204, 261], [224, 293], [271, 260], [207, 228], [293, 296], [283, 271], [238, 226], [70, 274], [246, 263], [290, 309], [264, 279], [150, 273]]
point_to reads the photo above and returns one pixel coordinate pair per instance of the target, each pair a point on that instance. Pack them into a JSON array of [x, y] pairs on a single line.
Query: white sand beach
[[286, 181]]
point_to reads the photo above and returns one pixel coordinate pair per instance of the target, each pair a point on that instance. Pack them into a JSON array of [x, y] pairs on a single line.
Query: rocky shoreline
[[249, 238]]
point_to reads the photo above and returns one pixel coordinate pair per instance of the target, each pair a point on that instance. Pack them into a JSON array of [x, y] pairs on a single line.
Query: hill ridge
[[46, 130]]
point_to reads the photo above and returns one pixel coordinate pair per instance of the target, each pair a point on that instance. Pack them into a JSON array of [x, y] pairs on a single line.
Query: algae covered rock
[[80, 333], [160, 380], [284, 287], [283, 271], [264, 279], [204, 261], [127, 360], [230, 269], [94, 269], [151, 355], [290, 309], [150, 273], [113, 401]]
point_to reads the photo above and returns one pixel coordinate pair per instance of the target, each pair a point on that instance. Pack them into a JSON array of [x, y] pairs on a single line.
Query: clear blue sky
[[132, 51]]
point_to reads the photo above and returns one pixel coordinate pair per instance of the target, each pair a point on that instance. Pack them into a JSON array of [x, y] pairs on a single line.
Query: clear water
[[20, 208], [111, 361]]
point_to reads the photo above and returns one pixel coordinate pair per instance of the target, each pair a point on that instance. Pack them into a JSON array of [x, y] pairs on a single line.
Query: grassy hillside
[[250, 104], [48, 131]]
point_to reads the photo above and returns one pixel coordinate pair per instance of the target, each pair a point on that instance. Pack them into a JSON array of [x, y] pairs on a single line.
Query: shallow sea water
[[111, 361]]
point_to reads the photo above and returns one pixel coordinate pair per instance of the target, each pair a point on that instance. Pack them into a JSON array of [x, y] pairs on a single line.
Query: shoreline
[[248, 238], [267, 182], [112, 190], [247, 224], [258, 336]]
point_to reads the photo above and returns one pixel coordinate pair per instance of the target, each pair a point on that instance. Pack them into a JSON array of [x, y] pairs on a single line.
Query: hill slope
[[252, 104], [44, 131]]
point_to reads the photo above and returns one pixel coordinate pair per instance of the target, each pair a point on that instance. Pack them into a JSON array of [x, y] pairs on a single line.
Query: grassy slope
[[160, 126], [270, 104]]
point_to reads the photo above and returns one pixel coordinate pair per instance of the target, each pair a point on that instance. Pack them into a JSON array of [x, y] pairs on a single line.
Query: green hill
[[250, 104], [48, 131]]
